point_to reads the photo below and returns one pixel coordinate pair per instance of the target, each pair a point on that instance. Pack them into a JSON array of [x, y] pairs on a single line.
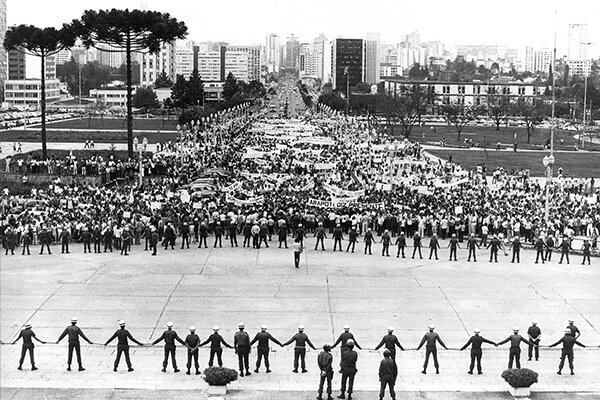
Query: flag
[[131, 196]]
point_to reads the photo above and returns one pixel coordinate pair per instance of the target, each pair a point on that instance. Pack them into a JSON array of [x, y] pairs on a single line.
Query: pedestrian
[[300, 340], [417, 245], [282, 235], [514, 354], [494, 245], [586, 248], [122, 345], [325, 362], [263, 233], [516, 247], [431, 338], [568, 342], [472, 245], [574, 330], [300, 234], [74, 332], [348, 363], [386, 239], [97, 237], [185, 236], [401, 243], [169, 336], [390, 341], [215, 340], [368, 241], [338, 236], [241, 344], [247, 231], [320, 234], [9, 241], [475, 342], [534, 333], [453, 245], [27, 335], [262, 350], [203, 235], [297, 252], [539, 246], [565, 247], [352, 237], [434, 245], [388, 372], [192, 342]]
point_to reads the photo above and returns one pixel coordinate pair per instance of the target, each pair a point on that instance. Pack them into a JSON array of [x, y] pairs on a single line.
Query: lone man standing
[[262, 349], [568, 342], [476, 341], [514, 353], [73, 332], [325, 361], [169, 336], [27, 335], [301, 340], [388, 372], [431, 338], [122, 345]]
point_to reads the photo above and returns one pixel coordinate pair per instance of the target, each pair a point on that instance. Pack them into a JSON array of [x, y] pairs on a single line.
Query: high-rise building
[[216, 65], [254, 56], [372, 58], [63, 56], [578, 37], [348, 62], [273, 53], [106, 55], [16, 65], [528, 61], [152, 65], [184, 58], [322, 58], [542, 59], [292, 52], [209, 66], [3, 55]]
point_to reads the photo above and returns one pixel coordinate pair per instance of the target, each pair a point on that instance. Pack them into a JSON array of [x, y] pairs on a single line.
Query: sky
[[511, 23]]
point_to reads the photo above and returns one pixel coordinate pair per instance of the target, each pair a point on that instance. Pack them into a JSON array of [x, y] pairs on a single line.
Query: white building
[[184, 58], [236, 62], [273, 53], [63, 56], [211, 67], [579, 67], [106, 55], [152, 65], [372, 58], [578, 39], [26, 93], [322, 58], [390, 70], [537, 60], [254, 56], [112, 97]]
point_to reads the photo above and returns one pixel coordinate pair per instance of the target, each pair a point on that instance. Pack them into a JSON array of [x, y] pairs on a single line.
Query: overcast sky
[[514, 23]]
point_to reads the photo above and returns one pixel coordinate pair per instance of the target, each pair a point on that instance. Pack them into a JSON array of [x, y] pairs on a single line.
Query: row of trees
[[93, 75]]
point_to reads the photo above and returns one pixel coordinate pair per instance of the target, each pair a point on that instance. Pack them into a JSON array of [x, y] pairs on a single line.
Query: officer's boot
[[197, 371], [188, 372], [33, 368], [68, 367], [20, 367], [341, 396], [81, 368], [572, 373]]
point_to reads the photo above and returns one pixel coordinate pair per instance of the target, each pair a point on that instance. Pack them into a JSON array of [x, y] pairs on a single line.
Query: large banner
[[343, 193], [342, 203], [239, 202]]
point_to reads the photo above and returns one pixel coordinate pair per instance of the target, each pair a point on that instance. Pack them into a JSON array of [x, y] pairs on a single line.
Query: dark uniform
[[494, 245], [27, 335], [283, 233], [352, 236], [185, 236], [401, 243], [45, 238], [241, 343], [262, 349], [86, 238], [568, 342], [386, 239], [97, 237], [348, 363], [472, 245], [169, 336], [565, 247], [65, 238], [123, 336], [320, 235], [539, 250], [516, 248], [247, 230], [549, 247], [192, 342], [390, 341], [388, 372], [534, 333], [26, 241], [215, 341], [417, 245], [514, 353], [301, 340], [218, 235], [73, 332], [475, 342], [453, 246], [337, 237], [325, 361], [368, 241], [586, 252], [233, 234], [203, 235], [434, 245], [431, 338]]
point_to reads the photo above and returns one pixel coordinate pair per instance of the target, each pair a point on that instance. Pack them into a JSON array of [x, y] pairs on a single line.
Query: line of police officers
[[388, 370]]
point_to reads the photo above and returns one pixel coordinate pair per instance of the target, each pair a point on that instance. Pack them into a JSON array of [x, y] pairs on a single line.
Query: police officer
[[343, 340], [300, 234], [26, 241], [215, 341], [568, 342], [386, 239], [282, 235], [586, 249], [97, 237], [472, 245], [320, 234], [565, 247], [185, 236], [27, 335], [86, 238], [514, 353], [348, 363], [453, 245], [241, 343], [45, 238], [368, 241], [574, 330], [192, 342], [549, 246], [125, 241], [388, 372], [417, 245], [352, 237], [301, 340], [390, 341], [475, 342], [74, 333], [65, 238], [203, 235], [233, 234], [534, 333], [434, 245], [338, 236], [494, 245], [401, 243], [155, 237], [539, 249], [431, 338], [10, 239], [122, 345], [262, 349], [516, 247], [218, 234], [325, 362], [169, 336]]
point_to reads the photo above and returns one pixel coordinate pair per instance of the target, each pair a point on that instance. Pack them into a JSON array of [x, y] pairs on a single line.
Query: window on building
[[491, 90], [521, 90], [461, 89], [476, 89]]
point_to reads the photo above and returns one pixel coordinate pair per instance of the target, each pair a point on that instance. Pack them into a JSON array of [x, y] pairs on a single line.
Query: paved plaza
[[224, 286]]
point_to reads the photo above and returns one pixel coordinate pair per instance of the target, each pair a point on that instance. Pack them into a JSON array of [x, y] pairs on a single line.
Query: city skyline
[[349, 19]]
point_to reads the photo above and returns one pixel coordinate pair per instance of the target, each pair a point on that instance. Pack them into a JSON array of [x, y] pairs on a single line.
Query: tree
[[333, 100], [256, 89], [145, 98], [498, 108], [195, 89], [418, 72], [42, 43], [532, 113], [178, 93], [134, 31], [411, 104], [163, 81], [230, 87], [460, 115]]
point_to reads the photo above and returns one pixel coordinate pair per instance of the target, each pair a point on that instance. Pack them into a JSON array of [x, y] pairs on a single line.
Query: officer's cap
[[73, 319], [327, 347], [28, 325], [431, 326], [346, 327], [534, 322], [567, 330], [390, 329], [192, 328], [169, 324], [300, 327], [387, 352], [477, 330], [216, 328], [122, 322], [241, 325], [263, 327], [571, 321], [515, 329], [299, 225]]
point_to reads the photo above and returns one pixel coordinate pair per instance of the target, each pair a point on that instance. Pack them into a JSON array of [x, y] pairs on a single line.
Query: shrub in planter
[[219, 376], [520, 378]]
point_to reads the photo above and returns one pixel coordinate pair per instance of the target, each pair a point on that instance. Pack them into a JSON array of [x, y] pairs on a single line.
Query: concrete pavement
[[223, 286]]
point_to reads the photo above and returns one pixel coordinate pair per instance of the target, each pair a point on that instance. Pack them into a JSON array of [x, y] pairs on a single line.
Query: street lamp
[[585, 77], [347, 73], [548, 162]]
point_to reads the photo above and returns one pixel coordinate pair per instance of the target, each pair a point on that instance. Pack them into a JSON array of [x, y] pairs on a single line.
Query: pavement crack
[[454, 309], [574, 309], [165, 306], [38, 309], [329, 309]]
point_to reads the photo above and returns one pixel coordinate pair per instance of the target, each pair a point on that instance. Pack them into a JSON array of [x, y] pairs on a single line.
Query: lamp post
[[548, 162], [347, 73], [585, 77]]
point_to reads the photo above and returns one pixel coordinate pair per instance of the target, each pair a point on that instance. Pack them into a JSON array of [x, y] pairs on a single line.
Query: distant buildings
[[16, 65], [292, 52], [537, 60], [184, 58], [152, 65], [372, 58], [3, 55], [273, 53], [26, 93], [348, 63], [578, 38]]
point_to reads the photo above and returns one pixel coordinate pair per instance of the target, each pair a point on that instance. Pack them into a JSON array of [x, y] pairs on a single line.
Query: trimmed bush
[[520, 378], [219, 376]]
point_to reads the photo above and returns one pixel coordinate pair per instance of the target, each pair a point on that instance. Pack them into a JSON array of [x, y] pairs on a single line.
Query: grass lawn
[[152, 124], [583, 164], [79, 136], [492, 136]]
